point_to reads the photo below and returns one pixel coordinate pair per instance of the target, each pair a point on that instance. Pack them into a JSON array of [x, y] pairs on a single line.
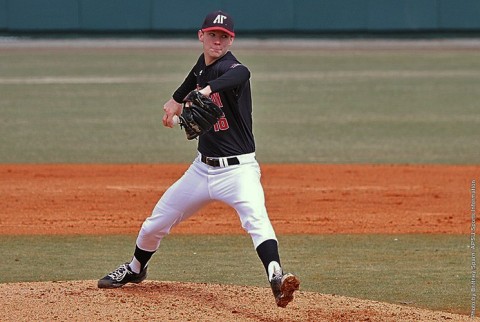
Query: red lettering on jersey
[[221, 125], [215, 97]]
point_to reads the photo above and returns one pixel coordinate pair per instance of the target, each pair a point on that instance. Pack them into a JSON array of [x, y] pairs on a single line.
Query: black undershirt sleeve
[[230, 79], [188, 85]]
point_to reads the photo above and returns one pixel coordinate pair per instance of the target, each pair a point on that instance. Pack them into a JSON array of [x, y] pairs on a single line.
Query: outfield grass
[[429, 271], [311, 105]]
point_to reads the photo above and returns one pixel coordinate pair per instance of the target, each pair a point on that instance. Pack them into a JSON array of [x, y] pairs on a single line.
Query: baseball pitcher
[[213, 105]]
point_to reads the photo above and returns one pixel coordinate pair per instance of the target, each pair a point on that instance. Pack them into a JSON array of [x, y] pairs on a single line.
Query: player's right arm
[[174, 105], [171, 108]]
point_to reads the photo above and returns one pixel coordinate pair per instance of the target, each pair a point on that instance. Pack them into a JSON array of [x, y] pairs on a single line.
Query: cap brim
[[221, 29]]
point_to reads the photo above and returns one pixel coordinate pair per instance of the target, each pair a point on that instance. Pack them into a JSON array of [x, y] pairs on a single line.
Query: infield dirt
[[301, 198]]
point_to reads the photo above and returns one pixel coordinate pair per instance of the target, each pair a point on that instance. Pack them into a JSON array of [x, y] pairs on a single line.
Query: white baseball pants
[[238, 186]]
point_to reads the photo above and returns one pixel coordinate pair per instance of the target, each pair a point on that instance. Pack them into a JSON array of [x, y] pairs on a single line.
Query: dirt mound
[[173, 301]]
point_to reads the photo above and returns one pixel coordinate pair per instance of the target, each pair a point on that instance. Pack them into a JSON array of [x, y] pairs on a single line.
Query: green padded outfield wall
[[251, 15]]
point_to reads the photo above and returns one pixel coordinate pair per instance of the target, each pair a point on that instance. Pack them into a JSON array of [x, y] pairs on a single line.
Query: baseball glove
[[199, 114]]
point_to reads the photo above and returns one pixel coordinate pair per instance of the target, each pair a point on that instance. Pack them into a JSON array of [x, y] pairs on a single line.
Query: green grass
[[370, 106], [429, 271]]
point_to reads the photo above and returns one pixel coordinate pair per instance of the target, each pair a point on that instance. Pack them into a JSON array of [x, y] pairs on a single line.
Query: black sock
[[268, 252], [142, 256]]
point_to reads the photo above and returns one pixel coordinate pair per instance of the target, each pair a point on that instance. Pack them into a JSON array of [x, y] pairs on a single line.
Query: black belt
[[216, 162]]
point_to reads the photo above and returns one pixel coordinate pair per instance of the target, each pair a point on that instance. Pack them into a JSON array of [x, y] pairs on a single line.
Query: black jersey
[[230, 84]]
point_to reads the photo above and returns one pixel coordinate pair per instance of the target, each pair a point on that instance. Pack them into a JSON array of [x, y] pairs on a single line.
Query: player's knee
[[150, 237], [154, 229]]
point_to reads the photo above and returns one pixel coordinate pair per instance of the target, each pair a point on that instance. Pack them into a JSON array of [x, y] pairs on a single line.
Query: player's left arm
[[235, 75]]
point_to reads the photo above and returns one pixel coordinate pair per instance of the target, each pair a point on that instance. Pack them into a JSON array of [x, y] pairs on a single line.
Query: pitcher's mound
[[173, 301]]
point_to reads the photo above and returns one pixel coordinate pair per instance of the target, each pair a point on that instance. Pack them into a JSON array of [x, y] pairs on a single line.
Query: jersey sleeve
[[235, 75], [188, 85]]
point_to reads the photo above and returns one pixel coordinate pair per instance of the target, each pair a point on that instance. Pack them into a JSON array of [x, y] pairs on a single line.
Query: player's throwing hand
[[171, 108]]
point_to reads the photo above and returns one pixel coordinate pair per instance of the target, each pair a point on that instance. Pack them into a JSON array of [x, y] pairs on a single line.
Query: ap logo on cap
[[219, 19]]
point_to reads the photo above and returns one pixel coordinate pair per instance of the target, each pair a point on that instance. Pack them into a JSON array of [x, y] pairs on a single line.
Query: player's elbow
[[247, 73]]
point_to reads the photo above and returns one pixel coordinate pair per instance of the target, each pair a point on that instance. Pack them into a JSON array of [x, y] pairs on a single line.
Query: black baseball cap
[[219, 20]]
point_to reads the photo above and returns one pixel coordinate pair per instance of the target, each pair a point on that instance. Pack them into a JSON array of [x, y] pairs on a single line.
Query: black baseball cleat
[[121, 276], [283, 286]]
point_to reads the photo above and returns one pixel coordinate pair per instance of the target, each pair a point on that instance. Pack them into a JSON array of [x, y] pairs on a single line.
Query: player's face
[[215, 44]]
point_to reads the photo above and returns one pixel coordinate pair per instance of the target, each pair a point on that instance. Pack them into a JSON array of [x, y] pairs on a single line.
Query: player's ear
[[200, 35]]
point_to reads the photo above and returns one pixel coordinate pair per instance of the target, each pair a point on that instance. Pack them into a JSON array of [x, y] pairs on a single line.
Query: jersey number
[[221, 125]]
